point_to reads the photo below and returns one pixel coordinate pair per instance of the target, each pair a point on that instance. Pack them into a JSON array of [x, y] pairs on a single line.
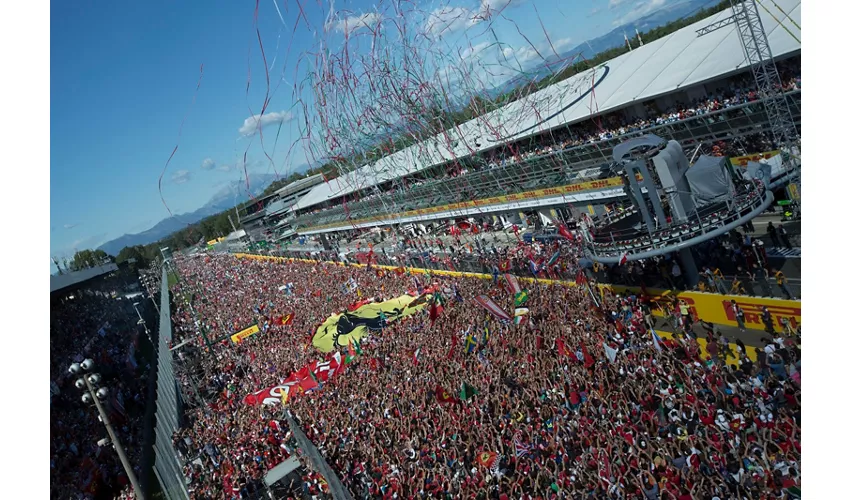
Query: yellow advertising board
[[244, 334], [717, 308], [710, 307], [495, 200], [741, 161]]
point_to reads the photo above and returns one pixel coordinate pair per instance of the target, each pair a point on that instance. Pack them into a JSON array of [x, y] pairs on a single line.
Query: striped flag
[[513, 284], [656, 340]]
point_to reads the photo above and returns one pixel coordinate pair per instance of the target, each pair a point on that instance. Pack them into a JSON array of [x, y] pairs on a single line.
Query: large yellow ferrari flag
[[339, 329]]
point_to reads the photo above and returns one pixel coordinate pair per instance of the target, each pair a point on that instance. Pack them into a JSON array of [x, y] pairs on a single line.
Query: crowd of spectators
[[99, 323], [579, 401]]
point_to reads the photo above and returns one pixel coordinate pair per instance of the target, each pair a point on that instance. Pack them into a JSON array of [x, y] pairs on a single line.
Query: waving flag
[[554, 259], [656, 340], [470, 343], [444, 397], [521, 298], [513, 284], [494, 309], [467, 391], [486, 459], [521, 449]]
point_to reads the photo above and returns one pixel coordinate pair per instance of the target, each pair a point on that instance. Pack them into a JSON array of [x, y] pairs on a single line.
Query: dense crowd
[[92, 323], [579, 401]]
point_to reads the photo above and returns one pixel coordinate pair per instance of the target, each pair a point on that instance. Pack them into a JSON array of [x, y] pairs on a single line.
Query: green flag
[[467, 391], [356, 346], [520, 298]]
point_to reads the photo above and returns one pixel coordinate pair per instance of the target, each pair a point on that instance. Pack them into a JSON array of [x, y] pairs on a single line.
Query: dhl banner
[[244, 334], [710, 307], [495, 200], [742, 161]]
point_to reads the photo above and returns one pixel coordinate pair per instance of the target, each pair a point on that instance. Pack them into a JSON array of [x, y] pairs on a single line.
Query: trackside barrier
[[337, 490], [167, 466], [710, 307]]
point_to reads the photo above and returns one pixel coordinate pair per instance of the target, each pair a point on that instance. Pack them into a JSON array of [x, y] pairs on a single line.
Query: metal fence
[[168, 403], [767, 288]]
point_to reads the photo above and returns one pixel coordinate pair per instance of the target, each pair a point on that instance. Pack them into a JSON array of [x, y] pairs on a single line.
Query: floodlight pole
[[125, 462]]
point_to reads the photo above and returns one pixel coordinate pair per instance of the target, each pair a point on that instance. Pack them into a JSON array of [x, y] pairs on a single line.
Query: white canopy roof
[[672, 63]]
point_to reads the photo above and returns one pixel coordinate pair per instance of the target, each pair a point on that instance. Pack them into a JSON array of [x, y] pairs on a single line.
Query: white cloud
[[478, 51], [639, 10], [351, 24], [208, 164], [528, 53], [448, 19], [613, 4], [489, 8], [70, 226], [181, 176], [239, 165], [252, 124]]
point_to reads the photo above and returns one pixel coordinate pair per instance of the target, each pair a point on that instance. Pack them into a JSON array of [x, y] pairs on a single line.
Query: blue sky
[[123, 76]]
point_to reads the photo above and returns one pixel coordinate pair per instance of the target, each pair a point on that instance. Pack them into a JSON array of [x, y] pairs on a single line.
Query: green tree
[[84, 259]]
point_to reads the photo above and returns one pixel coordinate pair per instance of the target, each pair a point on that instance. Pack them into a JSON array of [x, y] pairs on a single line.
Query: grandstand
[[270, 213], [684, 87]]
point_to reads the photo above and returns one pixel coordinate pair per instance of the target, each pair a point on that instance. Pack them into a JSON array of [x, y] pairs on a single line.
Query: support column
[[689, 268]]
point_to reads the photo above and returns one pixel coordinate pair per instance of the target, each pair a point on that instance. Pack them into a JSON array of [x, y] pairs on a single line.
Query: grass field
[[172, 279]]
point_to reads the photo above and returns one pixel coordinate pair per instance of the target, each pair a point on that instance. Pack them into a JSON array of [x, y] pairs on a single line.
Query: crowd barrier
[[710, 307], [167, 466]]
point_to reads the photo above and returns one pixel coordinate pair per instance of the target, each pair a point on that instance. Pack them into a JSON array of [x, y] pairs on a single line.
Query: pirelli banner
[[717, 308], [244, 334]]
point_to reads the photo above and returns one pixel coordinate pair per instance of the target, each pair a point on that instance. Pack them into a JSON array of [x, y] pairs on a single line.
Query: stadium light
[[88, 383]]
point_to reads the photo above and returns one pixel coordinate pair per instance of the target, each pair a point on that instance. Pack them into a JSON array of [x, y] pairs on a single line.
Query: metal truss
[[745, 16]]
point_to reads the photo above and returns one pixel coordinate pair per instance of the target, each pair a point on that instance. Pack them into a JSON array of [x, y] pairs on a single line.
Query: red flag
[[399, 271], [444, 397], [562, 230], [624, 258], [454, 344], [308, 384], [580, 277], [562, 349], [435, 311], [485, 459], [287, 319], [588, 358], [317, 293]]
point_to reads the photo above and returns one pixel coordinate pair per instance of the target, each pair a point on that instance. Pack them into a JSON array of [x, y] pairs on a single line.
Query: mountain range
[[226, 198]]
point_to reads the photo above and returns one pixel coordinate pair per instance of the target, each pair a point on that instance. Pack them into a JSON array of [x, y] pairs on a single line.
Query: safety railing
[[442, 261]]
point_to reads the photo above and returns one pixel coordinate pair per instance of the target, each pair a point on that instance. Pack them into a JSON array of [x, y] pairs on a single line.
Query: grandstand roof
[[294, 187], [672, 63], [62, 281]]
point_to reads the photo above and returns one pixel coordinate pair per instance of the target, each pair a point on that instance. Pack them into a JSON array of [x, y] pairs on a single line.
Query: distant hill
[[226, 198]]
